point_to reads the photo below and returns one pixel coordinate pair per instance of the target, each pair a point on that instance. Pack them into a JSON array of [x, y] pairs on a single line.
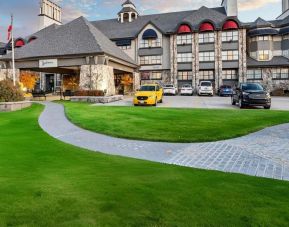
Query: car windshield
[[169, 86], [252, 87], [187, 86], [147, 88], [206, 84]]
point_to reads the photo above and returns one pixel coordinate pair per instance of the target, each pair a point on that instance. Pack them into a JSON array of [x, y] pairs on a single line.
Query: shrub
[[9, 92], [89, 93]]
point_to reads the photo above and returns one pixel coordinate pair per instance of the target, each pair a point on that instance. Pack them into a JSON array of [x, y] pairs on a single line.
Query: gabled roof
[[166, 22], [261, 23], [79, 37]]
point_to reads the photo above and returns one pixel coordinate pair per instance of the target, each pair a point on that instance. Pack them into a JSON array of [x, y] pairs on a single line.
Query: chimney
[[231, 7]]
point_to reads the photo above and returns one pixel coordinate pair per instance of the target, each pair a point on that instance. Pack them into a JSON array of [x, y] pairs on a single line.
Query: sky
[[26, 11]]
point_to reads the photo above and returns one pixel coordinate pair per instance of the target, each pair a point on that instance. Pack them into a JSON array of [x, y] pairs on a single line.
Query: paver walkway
[[264, 153]]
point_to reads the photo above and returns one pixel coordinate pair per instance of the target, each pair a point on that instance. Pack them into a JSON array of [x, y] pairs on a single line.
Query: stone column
[[174, 61], [242, 56], [136, 80], [97, 77], [193, 60], [196, 71], [218, 60]]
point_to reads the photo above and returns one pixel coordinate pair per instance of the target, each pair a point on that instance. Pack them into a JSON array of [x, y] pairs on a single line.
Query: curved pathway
[[264, 153]]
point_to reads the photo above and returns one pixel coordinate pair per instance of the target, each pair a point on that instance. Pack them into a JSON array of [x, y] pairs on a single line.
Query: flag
[[9, 32]]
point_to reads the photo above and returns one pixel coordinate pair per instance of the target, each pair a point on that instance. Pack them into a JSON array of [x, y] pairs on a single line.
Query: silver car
[[187, 89]]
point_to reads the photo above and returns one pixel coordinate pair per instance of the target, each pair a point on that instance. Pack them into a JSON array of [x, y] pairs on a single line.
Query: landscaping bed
[[172, 125], [45, 182]]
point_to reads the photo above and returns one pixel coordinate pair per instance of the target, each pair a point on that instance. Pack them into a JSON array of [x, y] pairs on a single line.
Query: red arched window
[[19, 43], [31, 39], [184, 29], [230, 24], [206, 27]]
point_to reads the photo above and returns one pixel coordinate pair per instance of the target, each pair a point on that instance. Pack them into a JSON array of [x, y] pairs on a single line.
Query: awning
[[284, 31], [262, 32], [150, 34], [230, 25], [205, 27], [184, 29], [123, 42]]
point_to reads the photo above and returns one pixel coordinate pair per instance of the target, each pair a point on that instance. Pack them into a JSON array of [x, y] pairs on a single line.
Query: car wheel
[[233, 101], [156, 103], [161, 101], [267, 107]]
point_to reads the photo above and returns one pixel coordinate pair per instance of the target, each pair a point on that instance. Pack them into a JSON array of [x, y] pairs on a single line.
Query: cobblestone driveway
[[264, 153]]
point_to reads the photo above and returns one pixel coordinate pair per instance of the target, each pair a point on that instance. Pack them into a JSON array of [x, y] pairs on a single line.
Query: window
[[151, 60], [264, 55], [207, 56], [185, 57], [185, 75], [58, 81], [208, 37], [230, 36], [154, 75], [206, 75], [285, 53], [229, 75], [184, 39], [280, 74], [254, 74], [285, 37], [264, 38], [230, 55], [147, 43], [125, 47]]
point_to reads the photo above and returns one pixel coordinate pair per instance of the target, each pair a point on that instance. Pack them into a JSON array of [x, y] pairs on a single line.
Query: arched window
[[183, 29], [31, 39], [230, 25], [150, 34], [19, 43], [206, 27]]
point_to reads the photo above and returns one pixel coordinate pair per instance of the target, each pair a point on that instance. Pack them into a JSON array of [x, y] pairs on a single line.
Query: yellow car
[[149, 94]]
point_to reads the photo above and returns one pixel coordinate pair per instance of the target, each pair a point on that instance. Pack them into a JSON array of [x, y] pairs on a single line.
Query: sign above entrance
[[48, 63]]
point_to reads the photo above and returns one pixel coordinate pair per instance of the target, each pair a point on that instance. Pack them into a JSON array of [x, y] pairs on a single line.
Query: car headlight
[[246, 93], [268, 95], [151, 97]]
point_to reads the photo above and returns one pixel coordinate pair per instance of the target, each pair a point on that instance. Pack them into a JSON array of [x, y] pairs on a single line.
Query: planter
[[96, 99], [13, 106]]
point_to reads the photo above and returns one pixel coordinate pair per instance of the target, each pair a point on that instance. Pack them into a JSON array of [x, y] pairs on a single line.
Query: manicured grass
[[44, 182], [172, 125]]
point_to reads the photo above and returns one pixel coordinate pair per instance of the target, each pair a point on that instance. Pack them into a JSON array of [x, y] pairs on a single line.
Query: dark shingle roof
[[275, 61], [75, 38], [166, 22], [260, 23]]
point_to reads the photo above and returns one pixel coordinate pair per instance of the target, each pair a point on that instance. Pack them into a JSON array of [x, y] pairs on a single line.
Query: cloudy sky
[[26, 11]]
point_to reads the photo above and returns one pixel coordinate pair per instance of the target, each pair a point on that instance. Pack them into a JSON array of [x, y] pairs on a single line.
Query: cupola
[[128, 13]]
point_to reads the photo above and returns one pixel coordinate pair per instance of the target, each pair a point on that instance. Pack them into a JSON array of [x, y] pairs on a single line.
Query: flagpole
[[13, 53]]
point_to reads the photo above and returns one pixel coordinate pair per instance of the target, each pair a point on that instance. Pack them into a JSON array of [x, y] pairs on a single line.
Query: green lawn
[[44, 182], [172, 125]]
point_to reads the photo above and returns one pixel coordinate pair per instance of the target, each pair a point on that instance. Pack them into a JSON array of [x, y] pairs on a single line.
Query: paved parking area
[[278, 103]]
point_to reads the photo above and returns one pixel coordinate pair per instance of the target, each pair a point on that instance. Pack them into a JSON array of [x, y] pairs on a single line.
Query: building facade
[[190, 46]]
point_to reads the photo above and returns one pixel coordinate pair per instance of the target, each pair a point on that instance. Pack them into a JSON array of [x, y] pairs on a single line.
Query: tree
[[28, 79]]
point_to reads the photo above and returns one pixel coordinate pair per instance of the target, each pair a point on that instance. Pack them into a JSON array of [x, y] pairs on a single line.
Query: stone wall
[[242, 56], [174, 63], [97, 77], [136, 81], [218, 60]]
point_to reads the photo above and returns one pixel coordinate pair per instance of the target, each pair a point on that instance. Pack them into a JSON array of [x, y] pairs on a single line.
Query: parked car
[[225, 90], [186, 89], [205, 88], [149, 94], [169, 89], [251, 94]]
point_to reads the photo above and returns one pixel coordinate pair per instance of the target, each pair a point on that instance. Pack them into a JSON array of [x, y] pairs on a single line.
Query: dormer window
[[207, 27], [19, 43], [150, 39], [184, 36]]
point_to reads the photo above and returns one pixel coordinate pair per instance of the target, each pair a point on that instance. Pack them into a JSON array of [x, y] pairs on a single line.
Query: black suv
[[251, 94]]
